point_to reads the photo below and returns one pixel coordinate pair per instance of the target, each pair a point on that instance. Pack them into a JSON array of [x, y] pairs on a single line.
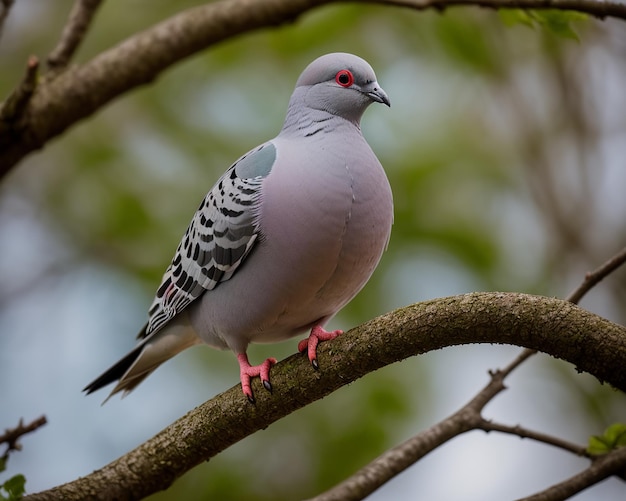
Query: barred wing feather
[[222, 233]]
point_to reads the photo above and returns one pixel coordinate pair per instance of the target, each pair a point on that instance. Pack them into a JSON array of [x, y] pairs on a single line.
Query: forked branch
[[73, 33], [469, 417]]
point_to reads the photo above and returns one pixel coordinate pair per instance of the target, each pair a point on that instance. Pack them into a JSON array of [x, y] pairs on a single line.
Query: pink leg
[[247, 371], [310, 344]]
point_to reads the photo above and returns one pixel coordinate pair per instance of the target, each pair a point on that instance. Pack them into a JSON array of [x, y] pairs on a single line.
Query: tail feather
[[115, 372], [146, 357]]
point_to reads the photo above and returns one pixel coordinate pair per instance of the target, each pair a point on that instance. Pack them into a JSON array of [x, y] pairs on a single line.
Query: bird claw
[[247, 372], [310, 344]]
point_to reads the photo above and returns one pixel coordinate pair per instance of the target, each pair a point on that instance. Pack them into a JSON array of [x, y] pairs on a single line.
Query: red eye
[[344, 78]]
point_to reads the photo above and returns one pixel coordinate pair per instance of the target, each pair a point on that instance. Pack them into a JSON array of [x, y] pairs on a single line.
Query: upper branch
[[5, 7], [599, 9], [79, 91], [553, 326], [77, 24]]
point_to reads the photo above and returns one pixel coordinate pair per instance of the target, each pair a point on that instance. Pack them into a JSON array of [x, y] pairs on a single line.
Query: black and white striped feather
[[221, 234]]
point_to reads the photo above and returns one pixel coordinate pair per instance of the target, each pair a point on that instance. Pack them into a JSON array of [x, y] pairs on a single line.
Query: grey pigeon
[[288, 235]]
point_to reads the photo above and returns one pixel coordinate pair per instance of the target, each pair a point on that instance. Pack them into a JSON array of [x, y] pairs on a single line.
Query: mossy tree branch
[[549, 325], [68, 94]]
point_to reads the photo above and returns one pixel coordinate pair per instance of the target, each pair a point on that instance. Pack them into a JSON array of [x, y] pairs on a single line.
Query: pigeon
[[288, 235]]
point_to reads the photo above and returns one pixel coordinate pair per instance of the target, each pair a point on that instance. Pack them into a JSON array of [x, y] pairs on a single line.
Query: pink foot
[[247, 372], [310, 344]]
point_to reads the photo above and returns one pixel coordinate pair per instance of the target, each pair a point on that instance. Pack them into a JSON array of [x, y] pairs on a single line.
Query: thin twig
[[520, 431], [602, 467], [73, 33], [594, 277], [15, 104], [12, 435], [399, 458], [516, 362], [5, 7]]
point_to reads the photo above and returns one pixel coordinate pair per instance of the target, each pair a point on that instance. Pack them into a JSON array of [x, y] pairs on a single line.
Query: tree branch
[[594, 277], [11, 436], [553, 326], [14, 106], [600, 10], [81, 90], [399, 458], [5, 7], [602, 467], [519, 431], [73, 33]]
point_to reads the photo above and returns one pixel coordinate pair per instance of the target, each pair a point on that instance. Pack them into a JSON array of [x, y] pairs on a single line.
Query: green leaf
[[511, 17], [15, 487], [597, 445], [612, 438], [558, 22], [616, 433]]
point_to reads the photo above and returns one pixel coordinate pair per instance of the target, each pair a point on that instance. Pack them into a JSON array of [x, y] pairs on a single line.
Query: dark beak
[[378, 95]]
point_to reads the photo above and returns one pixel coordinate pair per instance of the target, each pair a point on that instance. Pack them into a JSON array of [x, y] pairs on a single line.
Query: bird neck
[[305, 120]]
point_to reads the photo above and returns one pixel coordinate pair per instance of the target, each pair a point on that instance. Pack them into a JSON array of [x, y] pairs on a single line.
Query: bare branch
[[5, 7], [594, 277], [399, 458], [13, 108], [11, 436], [73, 33], [601, 10], [82, 90], [517, 361], [520, 431], [602, 467], [557, 327]]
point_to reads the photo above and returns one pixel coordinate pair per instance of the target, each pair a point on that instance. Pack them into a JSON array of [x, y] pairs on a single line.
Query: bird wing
[[221, 234]]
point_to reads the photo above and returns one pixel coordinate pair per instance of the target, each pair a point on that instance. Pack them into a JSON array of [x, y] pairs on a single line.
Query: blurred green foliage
[[477, 148], [612, 438], [14, 488], [556, 21]]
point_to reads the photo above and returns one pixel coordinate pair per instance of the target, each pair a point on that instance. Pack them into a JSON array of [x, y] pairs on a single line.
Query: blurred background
[[505, 149]]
